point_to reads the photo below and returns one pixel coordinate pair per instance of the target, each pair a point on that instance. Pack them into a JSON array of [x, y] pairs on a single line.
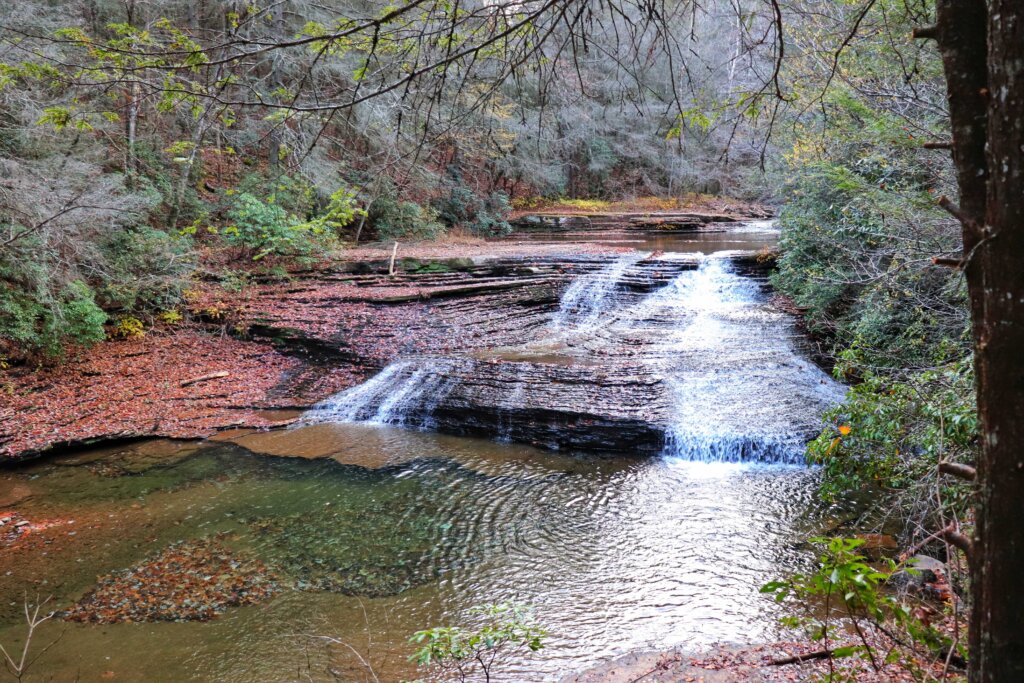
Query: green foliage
[[263, 228], [891, 434], [341, 209], [846, 590], [843, 259], [392, 219], [40, 321], [147, 269], [290, 192], [453, 653], [487, 216], [859, 228]]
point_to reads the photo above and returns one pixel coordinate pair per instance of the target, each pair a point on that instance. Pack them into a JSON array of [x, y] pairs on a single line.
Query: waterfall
[[404, 393], [590, 296], [724, 380], [738, 390]]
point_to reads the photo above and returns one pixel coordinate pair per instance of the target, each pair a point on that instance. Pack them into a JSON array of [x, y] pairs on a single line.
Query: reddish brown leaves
[[191, 581]]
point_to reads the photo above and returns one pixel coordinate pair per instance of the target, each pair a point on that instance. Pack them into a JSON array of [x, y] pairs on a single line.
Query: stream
[[380, 513]]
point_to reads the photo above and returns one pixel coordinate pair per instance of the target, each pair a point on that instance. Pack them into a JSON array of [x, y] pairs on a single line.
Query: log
[[204, 378], [800, 659], [958, 470]]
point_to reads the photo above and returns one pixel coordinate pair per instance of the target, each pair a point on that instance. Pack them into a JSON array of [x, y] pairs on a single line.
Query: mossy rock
[[460, 264]]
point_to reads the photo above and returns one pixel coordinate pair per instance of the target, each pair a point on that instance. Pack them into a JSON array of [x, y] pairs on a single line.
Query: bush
[[453, 653], [129, 327], [146, 269], [461, 207], [263, 228], [853, 592], [392, 220], [37, 321], [890, 434]]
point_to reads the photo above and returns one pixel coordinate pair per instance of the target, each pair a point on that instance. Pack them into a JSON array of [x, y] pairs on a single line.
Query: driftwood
[[800, 659], [204, 378]]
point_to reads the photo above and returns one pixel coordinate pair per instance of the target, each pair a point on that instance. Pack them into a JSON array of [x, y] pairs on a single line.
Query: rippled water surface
[[397, 530], [374, 531]]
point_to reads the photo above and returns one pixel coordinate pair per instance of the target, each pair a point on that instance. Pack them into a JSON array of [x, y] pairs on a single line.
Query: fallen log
[[800, 659], [204, 378]]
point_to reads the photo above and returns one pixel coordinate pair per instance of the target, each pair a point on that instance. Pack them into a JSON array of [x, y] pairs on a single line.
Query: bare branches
[[19, 665]]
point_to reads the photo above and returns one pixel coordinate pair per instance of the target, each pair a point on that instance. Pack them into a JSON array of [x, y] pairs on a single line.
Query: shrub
[[853, 593], [462, 207], [146, 269], [263, 228], [890, 434], [129, 327], [392, 219], [171, 317], [486, 217], [268, 228], [38, 321], [453, 653]]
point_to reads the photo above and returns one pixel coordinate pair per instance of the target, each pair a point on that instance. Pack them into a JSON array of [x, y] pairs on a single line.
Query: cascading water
[[590, 296], [729, 383], [404, 393], [732, 372]]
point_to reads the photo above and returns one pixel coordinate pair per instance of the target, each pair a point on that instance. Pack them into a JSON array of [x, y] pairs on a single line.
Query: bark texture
[[982, 46], [998, 617]]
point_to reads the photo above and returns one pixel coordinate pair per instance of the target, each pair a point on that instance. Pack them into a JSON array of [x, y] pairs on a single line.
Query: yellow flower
[[844, 429]]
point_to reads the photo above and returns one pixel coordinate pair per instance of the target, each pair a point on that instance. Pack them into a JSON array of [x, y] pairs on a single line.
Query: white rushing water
[[740, 391], [590, 298], [736, 387], [404, 393]]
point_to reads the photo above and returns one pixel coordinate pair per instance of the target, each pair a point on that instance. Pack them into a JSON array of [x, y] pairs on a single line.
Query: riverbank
[[778, 662], [242, 356]]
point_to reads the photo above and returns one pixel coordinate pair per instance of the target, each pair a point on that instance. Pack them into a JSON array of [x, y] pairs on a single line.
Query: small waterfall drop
[[738, 391], [404, 393], [592, 295]]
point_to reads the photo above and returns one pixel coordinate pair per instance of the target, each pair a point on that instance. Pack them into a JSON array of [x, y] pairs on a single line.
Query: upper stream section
[[679, 353]]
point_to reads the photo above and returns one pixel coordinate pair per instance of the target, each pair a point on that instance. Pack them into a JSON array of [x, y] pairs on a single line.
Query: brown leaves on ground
[[190, 581], [133, 388]]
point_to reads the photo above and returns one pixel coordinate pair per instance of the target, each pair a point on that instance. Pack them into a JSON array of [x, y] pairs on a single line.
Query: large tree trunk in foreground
[[983, 54], [998, 617]]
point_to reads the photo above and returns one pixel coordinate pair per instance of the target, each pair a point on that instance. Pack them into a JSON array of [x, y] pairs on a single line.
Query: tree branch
[[958, 470]]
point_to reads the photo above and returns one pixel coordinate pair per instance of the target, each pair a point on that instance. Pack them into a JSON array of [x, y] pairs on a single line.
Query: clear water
[[386, 531], [376, 530]]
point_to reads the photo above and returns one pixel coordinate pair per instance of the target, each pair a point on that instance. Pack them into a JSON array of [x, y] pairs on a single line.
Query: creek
[[384, 510]]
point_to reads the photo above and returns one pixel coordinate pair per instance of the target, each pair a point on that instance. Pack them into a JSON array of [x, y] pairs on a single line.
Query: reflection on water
[[614, 553], [374, 532]]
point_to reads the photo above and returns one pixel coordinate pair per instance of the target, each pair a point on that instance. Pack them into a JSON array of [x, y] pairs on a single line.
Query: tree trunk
[[131, 126], [998, 602], [986, 98]]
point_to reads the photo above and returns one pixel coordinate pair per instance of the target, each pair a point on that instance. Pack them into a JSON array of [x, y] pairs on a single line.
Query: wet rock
[[923, 574], [625, 359]]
